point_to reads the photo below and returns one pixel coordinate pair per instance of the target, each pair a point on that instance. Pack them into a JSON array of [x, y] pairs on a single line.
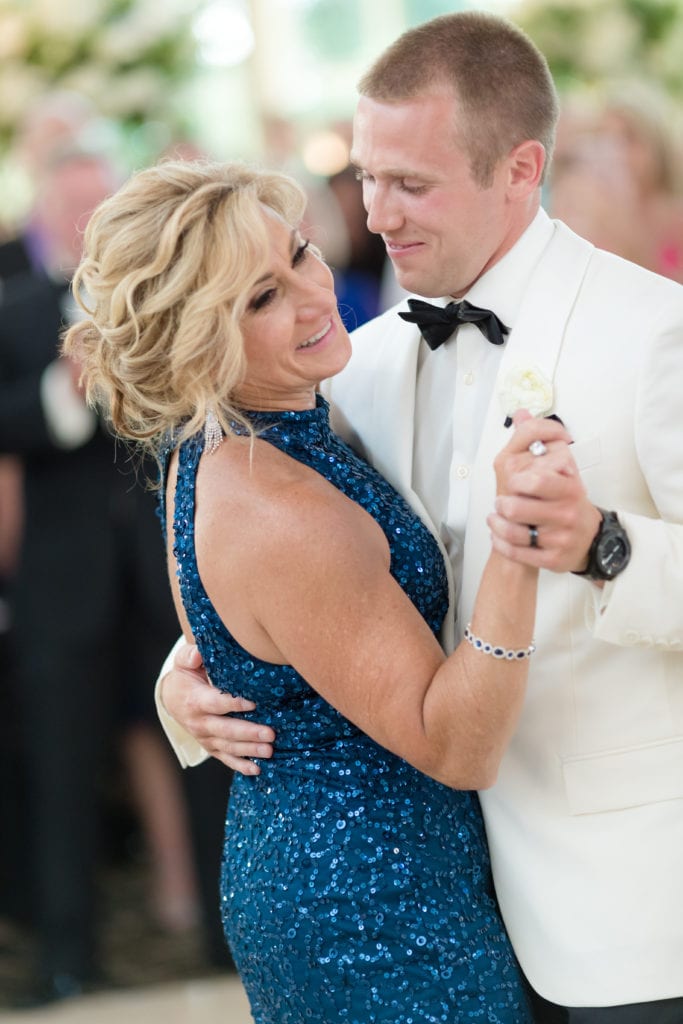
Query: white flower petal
[[526, 387]]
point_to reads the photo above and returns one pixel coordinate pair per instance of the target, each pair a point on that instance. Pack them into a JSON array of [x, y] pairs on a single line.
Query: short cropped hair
[[168, 265], [501, 81]]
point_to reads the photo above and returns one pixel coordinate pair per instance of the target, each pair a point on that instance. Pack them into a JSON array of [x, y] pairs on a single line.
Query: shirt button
[[468, 377], [462, 472]]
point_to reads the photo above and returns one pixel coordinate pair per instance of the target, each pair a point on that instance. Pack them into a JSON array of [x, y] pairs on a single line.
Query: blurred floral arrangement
[[588, 41], [123, 55]]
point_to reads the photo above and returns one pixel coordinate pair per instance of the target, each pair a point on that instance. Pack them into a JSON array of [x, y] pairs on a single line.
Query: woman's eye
[[300, 253], [263, 299]]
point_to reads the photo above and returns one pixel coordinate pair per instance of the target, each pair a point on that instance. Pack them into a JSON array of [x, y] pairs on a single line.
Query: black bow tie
[[437, 324]]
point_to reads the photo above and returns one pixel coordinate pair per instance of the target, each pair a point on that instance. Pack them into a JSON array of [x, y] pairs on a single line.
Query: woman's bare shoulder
[[250, 492]]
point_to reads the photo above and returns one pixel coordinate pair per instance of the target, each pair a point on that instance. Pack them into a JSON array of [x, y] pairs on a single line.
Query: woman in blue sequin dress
[[355, 884]]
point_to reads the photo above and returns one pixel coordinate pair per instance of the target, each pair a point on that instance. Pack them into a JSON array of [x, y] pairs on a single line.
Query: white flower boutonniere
[[525, 387]]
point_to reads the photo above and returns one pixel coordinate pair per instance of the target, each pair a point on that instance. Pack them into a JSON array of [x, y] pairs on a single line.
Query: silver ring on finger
[[537, 448], [533, 536]]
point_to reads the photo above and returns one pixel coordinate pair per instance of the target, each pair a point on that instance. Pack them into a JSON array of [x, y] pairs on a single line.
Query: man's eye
[[414, 190], [300, 253]]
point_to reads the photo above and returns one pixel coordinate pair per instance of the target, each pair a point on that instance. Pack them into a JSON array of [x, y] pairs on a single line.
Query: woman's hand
[[542, 514]]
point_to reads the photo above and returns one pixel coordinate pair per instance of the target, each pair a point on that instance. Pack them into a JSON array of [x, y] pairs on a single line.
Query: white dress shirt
[[454, 386]]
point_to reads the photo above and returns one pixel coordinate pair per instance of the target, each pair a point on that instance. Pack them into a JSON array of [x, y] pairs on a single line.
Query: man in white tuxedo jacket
[[585, 822]]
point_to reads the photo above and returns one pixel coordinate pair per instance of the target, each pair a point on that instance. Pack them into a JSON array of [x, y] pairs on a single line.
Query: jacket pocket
[[615, 779], [586, 453]]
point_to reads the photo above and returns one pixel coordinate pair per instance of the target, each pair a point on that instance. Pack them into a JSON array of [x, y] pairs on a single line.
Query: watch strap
[[609, 525]]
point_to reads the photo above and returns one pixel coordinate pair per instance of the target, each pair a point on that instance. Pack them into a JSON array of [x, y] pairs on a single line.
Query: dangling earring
[[213, 433]]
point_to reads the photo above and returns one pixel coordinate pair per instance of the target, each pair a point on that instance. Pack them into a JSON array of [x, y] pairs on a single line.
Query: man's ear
[[525, 168]]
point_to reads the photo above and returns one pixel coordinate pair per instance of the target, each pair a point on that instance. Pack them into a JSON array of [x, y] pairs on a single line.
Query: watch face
[[612, 554]]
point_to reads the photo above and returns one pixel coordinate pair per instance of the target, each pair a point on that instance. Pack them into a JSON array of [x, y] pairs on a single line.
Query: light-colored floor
[[208, 1001]]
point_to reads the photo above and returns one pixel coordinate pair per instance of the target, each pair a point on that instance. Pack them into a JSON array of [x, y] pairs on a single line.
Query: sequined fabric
[[353, 888]]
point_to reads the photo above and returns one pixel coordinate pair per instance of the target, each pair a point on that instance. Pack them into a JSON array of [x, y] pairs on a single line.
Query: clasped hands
[[542, 514], [544, 491]]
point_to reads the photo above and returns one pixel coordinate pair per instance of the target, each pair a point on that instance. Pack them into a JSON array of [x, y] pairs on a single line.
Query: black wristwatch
[[610, 552]]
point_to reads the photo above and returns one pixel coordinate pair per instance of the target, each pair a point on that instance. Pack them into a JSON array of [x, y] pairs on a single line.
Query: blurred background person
[[638, 123], [616, 178], [358, 275], [59, 120], [89, 595], [13, 880]]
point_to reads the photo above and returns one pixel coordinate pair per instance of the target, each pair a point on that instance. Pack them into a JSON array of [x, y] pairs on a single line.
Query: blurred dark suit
[[93, 617], [14, 257]]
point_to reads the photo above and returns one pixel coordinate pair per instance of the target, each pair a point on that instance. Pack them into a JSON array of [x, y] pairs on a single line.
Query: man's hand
[[194, 703], [544, 492]]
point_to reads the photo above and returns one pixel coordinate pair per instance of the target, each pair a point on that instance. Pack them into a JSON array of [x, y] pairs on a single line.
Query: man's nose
[[384, 213]]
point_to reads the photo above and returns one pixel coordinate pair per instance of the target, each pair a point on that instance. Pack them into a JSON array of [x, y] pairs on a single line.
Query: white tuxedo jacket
[[585, 822]]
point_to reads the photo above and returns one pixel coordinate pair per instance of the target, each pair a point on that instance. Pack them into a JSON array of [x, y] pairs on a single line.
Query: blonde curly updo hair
[[168, 265]]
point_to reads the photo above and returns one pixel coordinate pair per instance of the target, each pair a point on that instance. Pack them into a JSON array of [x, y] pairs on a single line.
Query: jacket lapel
[[535, 341], [538, 335], [393, 410]]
